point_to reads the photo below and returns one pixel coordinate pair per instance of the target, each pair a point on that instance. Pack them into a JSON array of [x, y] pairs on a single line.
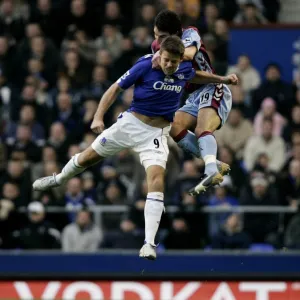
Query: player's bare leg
[[154, 208], [76, 165], [186, 140], [207, 122]]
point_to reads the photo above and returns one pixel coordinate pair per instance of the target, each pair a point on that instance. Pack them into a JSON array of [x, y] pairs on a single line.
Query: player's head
[[171, 54], [167, 23]]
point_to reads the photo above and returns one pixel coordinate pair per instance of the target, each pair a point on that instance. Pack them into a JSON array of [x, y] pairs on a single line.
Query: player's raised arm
[[108, 98], [202, 77]]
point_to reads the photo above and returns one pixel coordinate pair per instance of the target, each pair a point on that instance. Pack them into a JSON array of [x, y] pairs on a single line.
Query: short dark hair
[[168, 21], [173, 45]]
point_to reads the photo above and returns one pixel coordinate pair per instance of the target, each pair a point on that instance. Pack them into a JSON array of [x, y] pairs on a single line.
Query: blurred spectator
[[267, 143], [46, 15], [262, 225], [290, 186], [294, 125], [181, 237], [268, 110], [249, 76], [48, 55], [235, 132], [63, 85], [104, 58], [80, 16], [7, 56], [17, 174], [9, 220], [11, 24], [27, 117], [82, 235], [75, 198], [220, 198], [236, 174], [85, 46], [113, 15], [99, 84], [110, 40], [39, 233], [2, 156], [271, 9], [250, 15], [221, 33], [292, 233], [90, 107], [23, 141], [141, 40], [188, 177], [276, 88], [58, 140], [126, 60], [125, 173], [29, 95], [89, 184], [147, 16], [127, 237], [67, 115], [48, 155], [231, 235], [211, 14], [77, 71]]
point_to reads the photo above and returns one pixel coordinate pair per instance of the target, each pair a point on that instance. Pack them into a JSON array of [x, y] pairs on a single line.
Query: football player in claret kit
[[143, 128], [207, 106]]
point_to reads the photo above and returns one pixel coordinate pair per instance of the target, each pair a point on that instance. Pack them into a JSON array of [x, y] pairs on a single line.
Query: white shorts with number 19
[[131, 133]]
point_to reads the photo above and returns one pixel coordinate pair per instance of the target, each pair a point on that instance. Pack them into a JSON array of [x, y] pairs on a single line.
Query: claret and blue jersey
[[156, 94]]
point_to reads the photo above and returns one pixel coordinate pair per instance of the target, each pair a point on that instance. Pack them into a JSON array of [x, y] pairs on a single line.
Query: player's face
[[160, 35], [169, 62]]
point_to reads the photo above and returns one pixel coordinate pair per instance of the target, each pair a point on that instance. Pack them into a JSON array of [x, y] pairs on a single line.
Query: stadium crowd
[[58, 57]]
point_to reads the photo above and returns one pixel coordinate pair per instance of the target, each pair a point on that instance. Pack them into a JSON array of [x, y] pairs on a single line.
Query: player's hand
[[97, 126], [156, 60], [230, 79]]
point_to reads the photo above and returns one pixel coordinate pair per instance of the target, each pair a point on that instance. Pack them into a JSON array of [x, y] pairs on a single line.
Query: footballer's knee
[[208, 121], [88, 157], [155, 178], [176, 128], [182, 122]]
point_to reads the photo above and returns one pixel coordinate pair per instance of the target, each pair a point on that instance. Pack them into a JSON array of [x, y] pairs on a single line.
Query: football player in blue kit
[[144, 128], [207, 106]]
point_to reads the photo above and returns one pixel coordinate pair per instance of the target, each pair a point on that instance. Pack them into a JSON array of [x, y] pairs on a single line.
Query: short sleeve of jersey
[[190, 37], [190, 71], [187, 70], [136, 72]]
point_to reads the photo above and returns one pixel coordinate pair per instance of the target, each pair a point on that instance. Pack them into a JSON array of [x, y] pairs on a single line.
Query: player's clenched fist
[[97, 126], [230, 79]]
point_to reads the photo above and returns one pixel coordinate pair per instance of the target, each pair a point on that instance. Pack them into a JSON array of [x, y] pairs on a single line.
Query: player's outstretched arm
[[106, 101], [202, 77]]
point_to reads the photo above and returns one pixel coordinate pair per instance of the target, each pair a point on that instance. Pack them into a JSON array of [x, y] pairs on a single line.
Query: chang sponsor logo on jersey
[[161, 86]]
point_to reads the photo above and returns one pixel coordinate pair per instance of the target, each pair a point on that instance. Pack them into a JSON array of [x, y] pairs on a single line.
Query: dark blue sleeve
[[135, 73], [189, 71]]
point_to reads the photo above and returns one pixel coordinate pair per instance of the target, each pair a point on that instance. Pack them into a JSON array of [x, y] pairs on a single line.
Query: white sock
[[71, 169], [153, 211]]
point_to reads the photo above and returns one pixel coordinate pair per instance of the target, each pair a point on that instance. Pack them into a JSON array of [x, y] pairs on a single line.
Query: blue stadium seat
[[261, 247]]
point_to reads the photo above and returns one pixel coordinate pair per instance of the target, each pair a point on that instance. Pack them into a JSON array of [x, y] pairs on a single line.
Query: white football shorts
[[129, 132]]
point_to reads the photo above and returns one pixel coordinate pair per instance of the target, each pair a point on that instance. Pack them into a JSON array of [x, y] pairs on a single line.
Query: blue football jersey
[[156, 94]]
